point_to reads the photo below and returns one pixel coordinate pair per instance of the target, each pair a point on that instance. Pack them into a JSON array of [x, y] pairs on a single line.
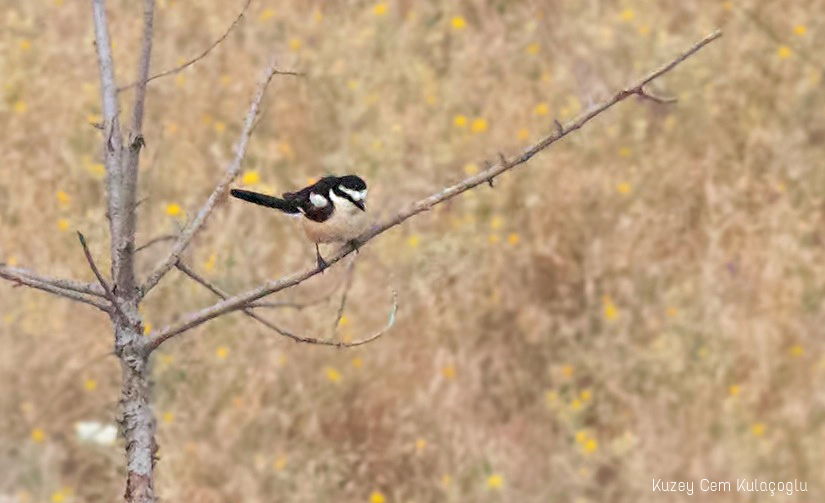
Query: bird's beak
[[361, 205]]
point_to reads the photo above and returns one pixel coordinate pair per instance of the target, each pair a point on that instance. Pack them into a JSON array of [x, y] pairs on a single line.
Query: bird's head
[[354, 188]]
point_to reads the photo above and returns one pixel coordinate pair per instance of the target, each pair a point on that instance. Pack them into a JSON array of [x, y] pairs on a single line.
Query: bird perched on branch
[[334, 209]]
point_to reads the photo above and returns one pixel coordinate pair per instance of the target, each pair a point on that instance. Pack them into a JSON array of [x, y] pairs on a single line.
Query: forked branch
[[486, 176]]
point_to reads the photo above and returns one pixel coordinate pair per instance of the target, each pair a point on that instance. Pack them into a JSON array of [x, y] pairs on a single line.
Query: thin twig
[[194, 60], [109, 294], [158, 239], [297, 338], [220, 190], [10, 274], [241, 300]]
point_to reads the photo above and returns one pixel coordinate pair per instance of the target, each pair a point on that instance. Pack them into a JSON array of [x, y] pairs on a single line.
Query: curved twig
[[197, 58], [297, 338]]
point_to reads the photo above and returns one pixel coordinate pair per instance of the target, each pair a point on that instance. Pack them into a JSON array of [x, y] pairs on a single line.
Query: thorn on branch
[[642, 93], [138, 142], [559, 127]]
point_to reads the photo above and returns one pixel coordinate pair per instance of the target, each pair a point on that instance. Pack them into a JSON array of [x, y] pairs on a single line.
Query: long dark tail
[[265, 200]]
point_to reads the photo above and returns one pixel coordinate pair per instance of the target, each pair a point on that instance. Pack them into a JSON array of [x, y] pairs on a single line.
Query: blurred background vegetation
[[644, 300]]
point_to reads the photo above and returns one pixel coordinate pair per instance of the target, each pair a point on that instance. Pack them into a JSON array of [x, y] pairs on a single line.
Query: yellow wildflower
[[280, 462], [63, 198], [380, 9], [357, 362], [38, 435], [222, 352], [219, 127], [479, 125], [168, 417], [459, 121], [591, 445], [495, 481], [295, 44], [800, 30], [210, 262], [250, 178], [494, 238], [523, 134], [459, 23], [627, 15], [180, 80], [797, 350], [611, 312], [624, 188], [420, 444], [672, 312], [513, 238], [173, 210], [413, 241], [90, 384], [448, 372], [20, 107], [332, 374], [147, 328], [576, 404], [734, 390], [567, 371], [625, 152], [266, 15], [470, 168], [533, 48], [25, 44], [377, 497], [586, 395], [446, 480], [63, 224], [784, 52], [758, 429], [581, 436], [541, 109]]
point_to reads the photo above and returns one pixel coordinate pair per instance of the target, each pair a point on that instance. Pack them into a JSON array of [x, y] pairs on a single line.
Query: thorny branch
[[242, 300], [297, 338], [220, 190]]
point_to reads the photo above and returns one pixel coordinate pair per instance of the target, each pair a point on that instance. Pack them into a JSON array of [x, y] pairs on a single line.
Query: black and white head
[[349, 188]]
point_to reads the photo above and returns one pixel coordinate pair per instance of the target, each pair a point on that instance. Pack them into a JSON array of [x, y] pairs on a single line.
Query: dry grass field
[[642, 301]]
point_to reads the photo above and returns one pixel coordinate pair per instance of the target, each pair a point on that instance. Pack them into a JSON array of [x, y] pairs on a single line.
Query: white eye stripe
[[318, 200], [356, 195]]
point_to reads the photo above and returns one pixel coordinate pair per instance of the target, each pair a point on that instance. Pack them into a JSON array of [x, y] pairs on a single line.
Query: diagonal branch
[[109, 294], [48, 285], [486, 176], [231, 173], [13, 273], [144, 80], [297, 338]]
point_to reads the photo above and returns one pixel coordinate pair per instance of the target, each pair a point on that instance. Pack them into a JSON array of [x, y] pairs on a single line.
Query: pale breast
[[347, 222]]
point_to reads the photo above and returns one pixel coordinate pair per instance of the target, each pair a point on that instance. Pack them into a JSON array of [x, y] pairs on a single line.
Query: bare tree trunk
[[137, 419]]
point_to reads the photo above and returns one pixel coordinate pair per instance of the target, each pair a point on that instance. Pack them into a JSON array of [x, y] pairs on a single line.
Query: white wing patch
[[317, 200], [356, 195]]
